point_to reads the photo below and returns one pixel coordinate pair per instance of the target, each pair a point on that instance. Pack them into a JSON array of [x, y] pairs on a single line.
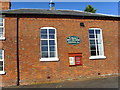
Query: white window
[[2, 61], [1, 28], [48, 44], [96, 43]]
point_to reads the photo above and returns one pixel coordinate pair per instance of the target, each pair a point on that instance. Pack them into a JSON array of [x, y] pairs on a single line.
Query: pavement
[[106, 82]]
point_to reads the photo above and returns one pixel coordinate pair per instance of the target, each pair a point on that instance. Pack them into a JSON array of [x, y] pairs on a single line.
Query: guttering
[[17, 50]]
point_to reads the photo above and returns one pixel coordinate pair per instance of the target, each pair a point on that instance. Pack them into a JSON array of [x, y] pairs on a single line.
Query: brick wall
[[4, 4], [9, 46], [34, 71]]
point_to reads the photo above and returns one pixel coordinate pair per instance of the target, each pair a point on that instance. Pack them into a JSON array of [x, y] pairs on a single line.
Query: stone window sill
[[97, 57], [2, 72], [2, 38], [49, 59]]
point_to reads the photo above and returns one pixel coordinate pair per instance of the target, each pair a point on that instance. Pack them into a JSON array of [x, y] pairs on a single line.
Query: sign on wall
[[73, 40], [75, 59]]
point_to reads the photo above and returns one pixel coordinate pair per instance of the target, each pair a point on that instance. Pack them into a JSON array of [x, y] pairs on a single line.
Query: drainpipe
[[17, 49]]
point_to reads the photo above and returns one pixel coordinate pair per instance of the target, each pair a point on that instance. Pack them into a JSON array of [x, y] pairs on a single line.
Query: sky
[[110, 8], [65, 0]]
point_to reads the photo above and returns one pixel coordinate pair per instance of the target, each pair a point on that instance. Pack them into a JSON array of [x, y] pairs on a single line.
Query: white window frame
[[49, 59], [2, 72], [3, 37], [97, 56]]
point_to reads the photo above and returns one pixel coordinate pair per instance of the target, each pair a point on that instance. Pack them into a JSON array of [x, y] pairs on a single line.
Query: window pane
[[44, 54], [1, 57], [1, 30], [44, 48], [92, 41], [1, 19], [1, 34], [43, 32], [97, 31], [51, 42], [52, 48], [97, 49], [91, 36], [0, 52], [52, 54], [98, 36], [98, 41], [43, 36], [51, 37], [100, 47], [93, 53], [1, 68], [1, 62], [52, 31], [100, 52], [92, 47], [91, 32], [1, 24], [44, 42]]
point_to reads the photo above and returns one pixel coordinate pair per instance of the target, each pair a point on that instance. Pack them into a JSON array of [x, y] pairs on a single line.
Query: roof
[[54, 12]]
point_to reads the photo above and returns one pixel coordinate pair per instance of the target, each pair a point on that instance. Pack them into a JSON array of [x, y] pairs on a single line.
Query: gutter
[[17, 50]]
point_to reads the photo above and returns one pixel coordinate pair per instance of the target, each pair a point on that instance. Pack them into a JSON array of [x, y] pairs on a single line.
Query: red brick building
[[54, 45], [5, 4]]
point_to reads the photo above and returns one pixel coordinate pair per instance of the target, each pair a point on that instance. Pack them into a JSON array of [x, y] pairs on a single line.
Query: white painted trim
[[2, 38], [56, 43], [47, 28], [97, 57], [56, 52], [49, 59], [2, 72]]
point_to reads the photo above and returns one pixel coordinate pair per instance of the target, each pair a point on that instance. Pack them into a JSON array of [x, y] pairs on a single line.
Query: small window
[[2, 28], [96, 43], [48, 44], [2, 61]]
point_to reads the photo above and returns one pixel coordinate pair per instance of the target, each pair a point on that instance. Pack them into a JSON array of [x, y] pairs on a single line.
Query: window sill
[[97, 57], [2, 38], [2, 72], [49, 59]]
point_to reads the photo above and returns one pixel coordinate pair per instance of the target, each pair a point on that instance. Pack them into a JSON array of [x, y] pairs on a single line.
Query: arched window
[[48, 44], [96, 43]]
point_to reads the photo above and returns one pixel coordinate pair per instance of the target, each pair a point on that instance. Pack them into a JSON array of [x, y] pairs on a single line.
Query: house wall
[[34, 71], [4, 4], [9, 46]]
